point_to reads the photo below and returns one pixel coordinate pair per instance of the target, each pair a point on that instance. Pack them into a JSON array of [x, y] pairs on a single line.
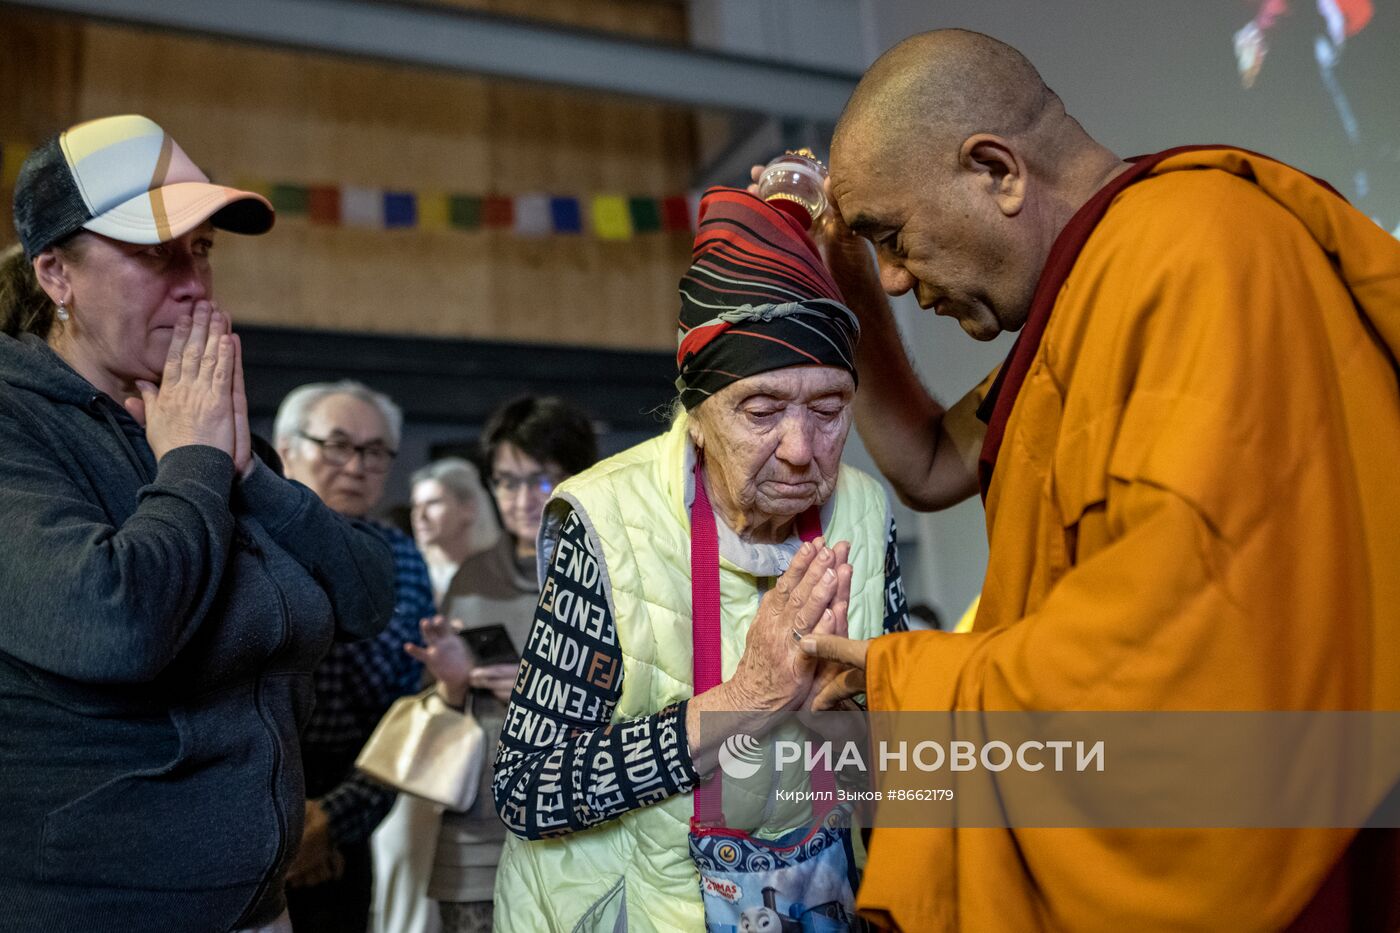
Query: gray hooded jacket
[[158, 628]]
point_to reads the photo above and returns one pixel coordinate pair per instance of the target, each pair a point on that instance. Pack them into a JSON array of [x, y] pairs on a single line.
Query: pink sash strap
[[708, 666]]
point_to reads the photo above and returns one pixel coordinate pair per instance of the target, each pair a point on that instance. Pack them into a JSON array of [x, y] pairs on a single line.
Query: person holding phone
[[532, 445]]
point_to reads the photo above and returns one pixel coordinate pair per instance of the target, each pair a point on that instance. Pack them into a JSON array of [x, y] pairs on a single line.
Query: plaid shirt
[[355, 683]]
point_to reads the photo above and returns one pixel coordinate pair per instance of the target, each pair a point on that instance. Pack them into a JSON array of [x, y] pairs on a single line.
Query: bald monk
[[1189, 470]]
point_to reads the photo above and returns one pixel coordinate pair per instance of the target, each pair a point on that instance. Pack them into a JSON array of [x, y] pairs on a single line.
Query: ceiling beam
[[479, 43]]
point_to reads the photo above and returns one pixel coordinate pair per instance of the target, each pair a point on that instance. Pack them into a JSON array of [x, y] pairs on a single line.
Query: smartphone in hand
[[490, 644]]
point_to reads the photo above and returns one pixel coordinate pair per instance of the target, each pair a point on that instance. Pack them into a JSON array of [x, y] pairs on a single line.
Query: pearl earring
[[62, 311]]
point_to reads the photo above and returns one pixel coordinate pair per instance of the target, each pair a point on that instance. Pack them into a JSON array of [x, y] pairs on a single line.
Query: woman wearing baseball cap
[[166, 594]]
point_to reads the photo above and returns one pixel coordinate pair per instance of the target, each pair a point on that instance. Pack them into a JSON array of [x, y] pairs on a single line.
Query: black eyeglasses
[[508, 484], [376, 457]]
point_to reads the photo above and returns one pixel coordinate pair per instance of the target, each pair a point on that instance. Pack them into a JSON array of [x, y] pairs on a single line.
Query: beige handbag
[[426, 748]]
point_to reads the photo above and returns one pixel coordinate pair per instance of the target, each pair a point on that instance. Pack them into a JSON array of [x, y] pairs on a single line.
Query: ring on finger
[[797, 634]]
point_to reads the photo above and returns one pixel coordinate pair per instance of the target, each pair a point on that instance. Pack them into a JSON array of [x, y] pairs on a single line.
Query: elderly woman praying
[[678, 579]]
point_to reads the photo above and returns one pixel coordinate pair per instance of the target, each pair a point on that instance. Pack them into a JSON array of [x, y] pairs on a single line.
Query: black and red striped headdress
[[756, 297]]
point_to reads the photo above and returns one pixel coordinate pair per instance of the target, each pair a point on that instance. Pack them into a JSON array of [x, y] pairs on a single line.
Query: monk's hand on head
[[827, 226], [755, 173], [194, 402]]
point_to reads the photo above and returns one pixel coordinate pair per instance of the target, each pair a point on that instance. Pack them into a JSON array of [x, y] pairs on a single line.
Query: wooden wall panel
[[40, 67], [247, 112]]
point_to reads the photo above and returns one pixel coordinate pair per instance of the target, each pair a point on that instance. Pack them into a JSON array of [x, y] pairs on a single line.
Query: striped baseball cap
[[123, 177]]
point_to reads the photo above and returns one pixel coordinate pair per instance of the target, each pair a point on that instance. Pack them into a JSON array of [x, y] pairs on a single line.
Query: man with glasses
[[340, 440]]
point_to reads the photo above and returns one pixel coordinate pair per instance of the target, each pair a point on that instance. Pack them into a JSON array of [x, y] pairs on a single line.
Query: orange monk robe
[[1196, 506]]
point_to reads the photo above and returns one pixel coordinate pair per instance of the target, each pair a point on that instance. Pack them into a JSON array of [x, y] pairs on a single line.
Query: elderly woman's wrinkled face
[[773, 442]]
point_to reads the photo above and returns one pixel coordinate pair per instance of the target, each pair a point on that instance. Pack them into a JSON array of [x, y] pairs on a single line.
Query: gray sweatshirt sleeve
[[100, 603], [349, 559]]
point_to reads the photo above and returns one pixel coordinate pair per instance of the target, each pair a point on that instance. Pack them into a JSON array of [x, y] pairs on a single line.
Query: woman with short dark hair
[[532, 444], [547, 428]]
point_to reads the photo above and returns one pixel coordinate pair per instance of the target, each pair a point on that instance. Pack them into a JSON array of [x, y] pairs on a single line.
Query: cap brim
[[170, 211]]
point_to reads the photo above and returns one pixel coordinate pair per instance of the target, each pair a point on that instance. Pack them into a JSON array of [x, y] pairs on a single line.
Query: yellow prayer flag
[[611, 218], [434, 211], [256, 185]]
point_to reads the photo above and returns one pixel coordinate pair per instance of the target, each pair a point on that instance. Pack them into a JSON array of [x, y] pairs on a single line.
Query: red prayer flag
[[497, 212], [323, 204], [675, 213]]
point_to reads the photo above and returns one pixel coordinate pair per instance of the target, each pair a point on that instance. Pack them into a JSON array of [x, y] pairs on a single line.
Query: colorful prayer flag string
[[528, 215]]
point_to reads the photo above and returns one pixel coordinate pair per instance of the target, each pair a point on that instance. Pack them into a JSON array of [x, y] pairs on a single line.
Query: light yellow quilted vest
[[634, 873]]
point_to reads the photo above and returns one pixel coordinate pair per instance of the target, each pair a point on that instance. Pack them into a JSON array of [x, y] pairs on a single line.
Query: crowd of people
[[1186, 463]]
